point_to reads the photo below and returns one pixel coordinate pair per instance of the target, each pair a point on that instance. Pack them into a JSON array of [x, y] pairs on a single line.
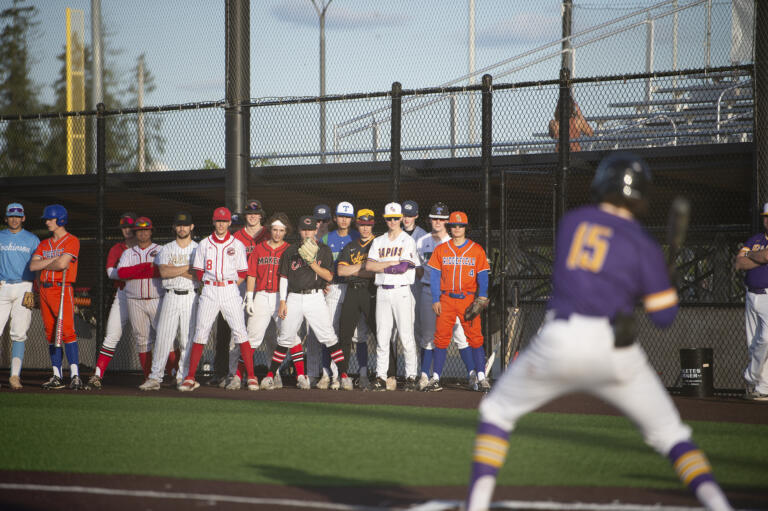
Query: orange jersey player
[[459, 269], [56, 260]]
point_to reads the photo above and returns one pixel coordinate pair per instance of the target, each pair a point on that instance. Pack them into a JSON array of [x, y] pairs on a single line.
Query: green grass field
[[343, 445]]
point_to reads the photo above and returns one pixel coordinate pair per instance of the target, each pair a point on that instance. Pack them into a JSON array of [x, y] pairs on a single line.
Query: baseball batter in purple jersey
[[753, 258], [604, 263]]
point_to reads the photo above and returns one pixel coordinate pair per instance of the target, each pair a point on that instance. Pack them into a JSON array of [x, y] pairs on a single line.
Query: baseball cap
[[222, 214], [345, 209], [765, 209], [393, 210], [127, 219], [237, 220], [439, 210], [365, 217], [254, 206], [142, 224], [322, 212], [307, 223], [410, 208], [14, 209], [458, 218], [182, 218]]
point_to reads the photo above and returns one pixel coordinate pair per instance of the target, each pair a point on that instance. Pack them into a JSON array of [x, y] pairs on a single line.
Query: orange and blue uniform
[[51, 287], [461, 274]]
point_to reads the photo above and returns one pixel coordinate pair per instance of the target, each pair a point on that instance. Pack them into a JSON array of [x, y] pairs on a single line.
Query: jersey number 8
[[209, 264], [589, 247]]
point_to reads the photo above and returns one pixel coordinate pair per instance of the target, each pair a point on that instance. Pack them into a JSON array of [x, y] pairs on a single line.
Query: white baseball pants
[[311, 307], [118, 318], [756, 317], [395, 307], [177, 315], [333, 300], [11, 296], [143, 317], [578, 355], [227, 300], [427, 320]]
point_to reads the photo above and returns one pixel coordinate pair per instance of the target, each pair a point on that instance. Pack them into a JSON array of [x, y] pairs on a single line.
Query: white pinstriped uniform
[[143, 296], [220, 262], [395, 306], [178, 312], [425, 334]]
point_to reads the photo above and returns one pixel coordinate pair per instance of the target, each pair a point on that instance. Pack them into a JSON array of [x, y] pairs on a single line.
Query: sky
[[369, 44]]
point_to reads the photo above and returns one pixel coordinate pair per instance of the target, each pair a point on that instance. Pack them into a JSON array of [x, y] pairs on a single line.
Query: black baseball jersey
[[356, 252], [300, 276]]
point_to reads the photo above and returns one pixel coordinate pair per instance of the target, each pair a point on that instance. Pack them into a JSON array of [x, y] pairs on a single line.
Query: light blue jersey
[[15, 253]]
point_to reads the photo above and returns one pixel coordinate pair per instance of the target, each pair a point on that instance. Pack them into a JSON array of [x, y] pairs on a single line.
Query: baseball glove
[[308, 250], [29, 300], [475, 308]]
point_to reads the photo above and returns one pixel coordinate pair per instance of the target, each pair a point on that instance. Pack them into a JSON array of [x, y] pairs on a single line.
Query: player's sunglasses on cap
[[439, 212], [14, 209], [142, 224], [365, 217]]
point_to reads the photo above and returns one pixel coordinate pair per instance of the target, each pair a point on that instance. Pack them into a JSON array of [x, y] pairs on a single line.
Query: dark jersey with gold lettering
[[356, 252]]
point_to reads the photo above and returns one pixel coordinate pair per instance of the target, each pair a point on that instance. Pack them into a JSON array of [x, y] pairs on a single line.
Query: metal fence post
[[564, 143], [760, 81], [503, 267], [485, 159], [395, 158], [101, 178]]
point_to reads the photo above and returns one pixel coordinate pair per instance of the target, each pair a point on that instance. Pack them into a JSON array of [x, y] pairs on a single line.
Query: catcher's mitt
[[475, 308], [29, 300], [308, 250]]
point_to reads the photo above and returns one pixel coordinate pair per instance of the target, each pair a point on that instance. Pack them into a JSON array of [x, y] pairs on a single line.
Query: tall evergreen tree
[[20, 141]]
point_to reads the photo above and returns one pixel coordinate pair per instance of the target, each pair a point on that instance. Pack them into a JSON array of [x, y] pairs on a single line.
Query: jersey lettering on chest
[[268, 260], [390, 252]]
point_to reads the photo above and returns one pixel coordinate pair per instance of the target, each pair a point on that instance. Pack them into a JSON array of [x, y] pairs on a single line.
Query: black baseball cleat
[[379, 385], [76, 384], [410, 384], [95, 382], [433, 386], [54, 383]]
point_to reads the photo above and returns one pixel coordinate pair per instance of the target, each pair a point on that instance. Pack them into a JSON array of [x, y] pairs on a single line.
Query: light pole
[[321, 7]]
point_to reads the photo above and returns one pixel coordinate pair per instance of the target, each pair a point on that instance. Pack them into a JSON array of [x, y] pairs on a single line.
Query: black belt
[[358, 285], [307, 291], [52, 284], [177, 292], [756, 290]]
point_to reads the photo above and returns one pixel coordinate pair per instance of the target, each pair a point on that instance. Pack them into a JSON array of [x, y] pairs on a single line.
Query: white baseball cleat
[[234, 384], [391, 383], [150, 384], [346, 383], [189, 385], [268, 383], [324, 382], [484, 385], [302, 382], [423, 381], [335, 385], [253, 384]]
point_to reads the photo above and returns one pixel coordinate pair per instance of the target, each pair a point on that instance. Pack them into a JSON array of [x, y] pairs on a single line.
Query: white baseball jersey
[[220, 260], [141, 288], [174, 255], [402, 248], [424, 247]]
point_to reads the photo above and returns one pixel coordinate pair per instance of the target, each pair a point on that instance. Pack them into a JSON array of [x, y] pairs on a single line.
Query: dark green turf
[[342, 445]]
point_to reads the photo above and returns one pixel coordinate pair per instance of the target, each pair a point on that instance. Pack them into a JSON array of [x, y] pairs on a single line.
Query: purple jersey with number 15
[[604, 263]]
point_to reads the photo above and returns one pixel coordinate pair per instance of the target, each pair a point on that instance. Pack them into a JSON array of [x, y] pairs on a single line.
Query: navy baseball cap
[[439, 211], [322, 212], [410, 208], [307, 223], [14, 209]]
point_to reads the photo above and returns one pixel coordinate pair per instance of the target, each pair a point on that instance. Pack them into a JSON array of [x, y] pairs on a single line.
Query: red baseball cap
[[222, 214], [142, 223]]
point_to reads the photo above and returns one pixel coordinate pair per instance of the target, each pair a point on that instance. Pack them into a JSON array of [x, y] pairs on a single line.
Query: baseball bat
[[677, 227], [57, 341]]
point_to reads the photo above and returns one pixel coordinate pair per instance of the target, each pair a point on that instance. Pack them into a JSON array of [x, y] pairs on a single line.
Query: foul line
[[443, 505], [206, 497]]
